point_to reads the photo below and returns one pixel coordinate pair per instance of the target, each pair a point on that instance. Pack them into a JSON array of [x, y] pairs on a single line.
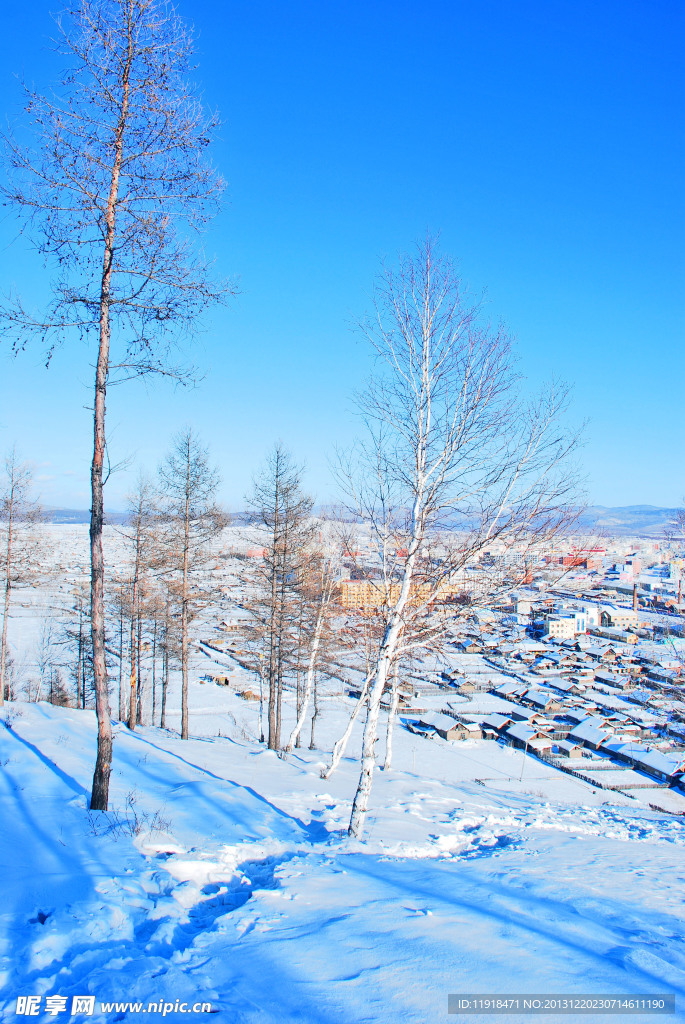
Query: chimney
[[634, 597]]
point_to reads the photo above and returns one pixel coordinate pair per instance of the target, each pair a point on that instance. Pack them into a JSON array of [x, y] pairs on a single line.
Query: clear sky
[[543, 139]]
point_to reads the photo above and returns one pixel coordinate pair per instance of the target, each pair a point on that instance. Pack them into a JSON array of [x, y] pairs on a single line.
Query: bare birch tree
[[113, 187], [189, 519], [318, 592], [453, 453], [19, 516]]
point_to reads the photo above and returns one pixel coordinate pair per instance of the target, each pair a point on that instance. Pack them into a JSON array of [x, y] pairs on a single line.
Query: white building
[[564, 625], [561, 626]]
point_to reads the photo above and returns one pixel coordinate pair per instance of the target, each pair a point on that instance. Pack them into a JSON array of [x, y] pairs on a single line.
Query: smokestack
[[635, 597]]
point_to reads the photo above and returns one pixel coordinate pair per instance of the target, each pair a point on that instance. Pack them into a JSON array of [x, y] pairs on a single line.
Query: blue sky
[[542, 139]]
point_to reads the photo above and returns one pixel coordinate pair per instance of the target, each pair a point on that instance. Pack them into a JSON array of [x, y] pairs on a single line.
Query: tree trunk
[[139, 688], [6, 602], [312, 745], [299, 694], [341, 745], [165, 683], [385, 660], [392, 713], [184, 617], [122, 695], [3, 650], [79, 660], [133, 696], [295, 735], [103, 764], [282, 600], [154, 666], [184, 670], [271, 713], [84, 663]]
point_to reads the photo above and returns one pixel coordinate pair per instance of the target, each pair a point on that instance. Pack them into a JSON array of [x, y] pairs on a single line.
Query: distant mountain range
[[77, 515], [629, 520], [622, 521]]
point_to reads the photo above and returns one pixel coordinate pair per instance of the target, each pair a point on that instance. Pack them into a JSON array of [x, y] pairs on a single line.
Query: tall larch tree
[[109, 174]]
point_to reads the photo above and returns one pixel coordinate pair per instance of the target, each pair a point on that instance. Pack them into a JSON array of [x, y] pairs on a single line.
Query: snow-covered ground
[[222, 874]]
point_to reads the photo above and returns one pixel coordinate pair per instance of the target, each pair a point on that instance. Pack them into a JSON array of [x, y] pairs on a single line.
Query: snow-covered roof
[[591, 730], [567, 745], [496, 721], [437, 720], [667, 764], [522, 732], [540, 743], [563, 685], [539, 698]]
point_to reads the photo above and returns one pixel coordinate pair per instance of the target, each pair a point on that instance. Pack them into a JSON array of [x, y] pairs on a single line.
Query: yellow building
[[367, 595]]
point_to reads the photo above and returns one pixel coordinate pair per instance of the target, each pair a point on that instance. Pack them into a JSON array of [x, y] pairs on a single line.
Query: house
[[466, 686], [524, 736], [467, 731], [564, 659], [573, 685], [231, 625], [498, 722], [592, 732], [664, 675], [604, 654], [510, 690], [469, 647], [619, 750], [619, 682], [218, 679], [620, 636], [568, 748], [526, 651], [519, 713], [542, 701], [419, 728], [543, 663], [449, 728], [668, 767]]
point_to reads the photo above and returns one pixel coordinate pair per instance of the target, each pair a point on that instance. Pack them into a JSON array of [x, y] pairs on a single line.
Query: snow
[[222, 874]]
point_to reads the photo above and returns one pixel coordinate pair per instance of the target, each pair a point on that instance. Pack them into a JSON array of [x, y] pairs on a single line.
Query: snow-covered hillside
[[222, 874]]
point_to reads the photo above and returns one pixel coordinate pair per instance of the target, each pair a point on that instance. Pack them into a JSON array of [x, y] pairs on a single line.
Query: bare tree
[[454, 460], [281, 510], [170, 650], [45, 656], [120, 603], [19, 515], [113, 187], [392, 712], [190, 518], [140, 536], [318, 589], [76, 635]]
